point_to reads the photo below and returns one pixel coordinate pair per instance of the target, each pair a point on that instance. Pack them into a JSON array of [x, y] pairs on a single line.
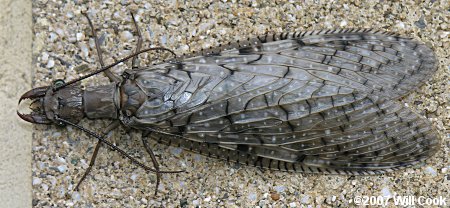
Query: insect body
[[315, 101]]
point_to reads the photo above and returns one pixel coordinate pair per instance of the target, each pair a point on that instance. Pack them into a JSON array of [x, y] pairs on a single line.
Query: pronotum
[[321, 101]]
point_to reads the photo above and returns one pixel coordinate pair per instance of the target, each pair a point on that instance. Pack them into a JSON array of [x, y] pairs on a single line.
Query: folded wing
[[320, 101]]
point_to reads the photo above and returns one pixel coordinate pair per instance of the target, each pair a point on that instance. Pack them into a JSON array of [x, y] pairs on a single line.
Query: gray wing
[[367, 60], [319, 101]]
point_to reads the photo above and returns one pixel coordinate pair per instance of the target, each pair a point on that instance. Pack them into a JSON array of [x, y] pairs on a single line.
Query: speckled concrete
[[63, 49]]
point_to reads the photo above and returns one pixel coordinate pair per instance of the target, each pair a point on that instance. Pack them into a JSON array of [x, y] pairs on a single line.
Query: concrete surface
[[15, 78], [64, 49]]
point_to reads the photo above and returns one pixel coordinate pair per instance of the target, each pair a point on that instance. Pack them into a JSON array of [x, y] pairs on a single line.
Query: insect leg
[[109, 128], [112, 77], [112, 146], [154, 161], [134, 62], [152, 156]]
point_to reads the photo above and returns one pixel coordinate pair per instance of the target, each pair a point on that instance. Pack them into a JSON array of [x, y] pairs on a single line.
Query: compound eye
[[57, 83]]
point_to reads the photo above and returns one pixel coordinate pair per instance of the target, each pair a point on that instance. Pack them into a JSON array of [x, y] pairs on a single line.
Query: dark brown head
[[47, 104]]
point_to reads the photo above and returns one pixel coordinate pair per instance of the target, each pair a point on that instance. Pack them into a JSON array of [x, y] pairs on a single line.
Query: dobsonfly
[[323, 101]]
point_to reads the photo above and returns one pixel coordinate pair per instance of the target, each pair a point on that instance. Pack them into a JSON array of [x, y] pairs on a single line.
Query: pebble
[[386, 192], [72, 39], [50, 64], [124, 2], [420, 23], [62, 168], [76, 196], [252, 196], [431, 171], [134, 177], [60, 32], [126, 35], [36, 181], [305, 199], [80, 36], [44, 57], [81, 68], [262, 203], [144, 201], [275, 196], [84, 49], [52, 37], [280, 189], [195, 202], [163, 40], [400, 25], [69, 14], [61, 160], [44, 187]]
